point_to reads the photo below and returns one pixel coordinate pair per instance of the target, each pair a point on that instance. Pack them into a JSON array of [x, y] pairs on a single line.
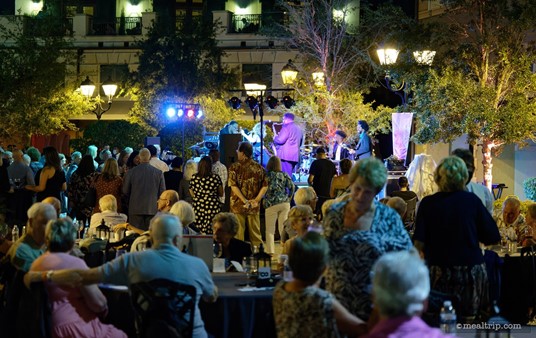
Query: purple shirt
[[288, 142], [404, 327]]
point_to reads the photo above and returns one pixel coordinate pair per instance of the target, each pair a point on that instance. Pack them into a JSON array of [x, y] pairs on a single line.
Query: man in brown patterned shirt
[[247, 180]]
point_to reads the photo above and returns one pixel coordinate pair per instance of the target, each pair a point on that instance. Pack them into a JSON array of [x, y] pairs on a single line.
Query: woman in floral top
[[276, 200], [301, 308], [359, 230]]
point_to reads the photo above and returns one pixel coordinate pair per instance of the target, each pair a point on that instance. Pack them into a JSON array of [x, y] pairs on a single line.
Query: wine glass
[[80, 229], [247, 266]]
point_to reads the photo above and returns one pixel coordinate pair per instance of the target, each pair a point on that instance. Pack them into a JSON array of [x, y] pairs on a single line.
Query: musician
[[254, 137], [364, 146], [340, 149], [230, 128], [287, 143]]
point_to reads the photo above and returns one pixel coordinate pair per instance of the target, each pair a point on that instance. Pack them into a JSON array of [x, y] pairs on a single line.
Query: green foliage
[[529, 187], [178, 66], [118, 133], [217, 112], [34, 98], [171, 136], [484, 88], [324, 112]]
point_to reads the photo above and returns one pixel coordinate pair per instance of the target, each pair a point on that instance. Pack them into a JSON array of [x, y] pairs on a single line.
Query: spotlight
[[271, 101], [288, 102], [235, 102], [180, 112], [170, 112], [199, 114], [252, 102], [190, 113]]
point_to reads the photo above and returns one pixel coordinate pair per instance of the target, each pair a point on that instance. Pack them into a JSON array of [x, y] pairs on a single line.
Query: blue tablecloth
[[236, 314]]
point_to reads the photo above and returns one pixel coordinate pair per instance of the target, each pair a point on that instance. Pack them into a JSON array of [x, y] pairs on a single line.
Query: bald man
[[163, 260], [19, 198], [166, 200], [55, 203]]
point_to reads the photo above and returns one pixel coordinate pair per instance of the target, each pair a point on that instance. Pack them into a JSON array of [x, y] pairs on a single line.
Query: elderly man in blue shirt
[[164, 260]]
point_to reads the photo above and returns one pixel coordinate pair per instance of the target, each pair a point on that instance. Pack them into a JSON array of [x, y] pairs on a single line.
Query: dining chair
[[163, 308], [409, 217], [34, 318], [528, 251]]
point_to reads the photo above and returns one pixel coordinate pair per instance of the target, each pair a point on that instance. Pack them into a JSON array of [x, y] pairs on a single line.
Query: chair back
[[163, 308], [528, 251], [410, 211], [34, 317], [12, 284]]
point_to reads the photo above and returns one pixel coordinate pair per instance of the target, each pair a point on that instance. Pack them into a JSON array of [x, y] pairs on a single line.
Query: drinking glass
[[247, 265], [80, 229]]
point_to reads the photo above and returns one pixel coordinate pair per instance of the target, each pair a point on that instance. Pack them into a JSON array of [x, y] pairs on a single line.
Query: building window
[[257, 73]]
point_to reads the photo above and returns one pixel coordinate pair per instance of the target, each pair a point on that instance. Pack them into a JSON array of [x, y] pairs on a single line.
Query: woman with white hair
[[400, 288], [185, 212], [75, 311], [108, 207], [190, 169]]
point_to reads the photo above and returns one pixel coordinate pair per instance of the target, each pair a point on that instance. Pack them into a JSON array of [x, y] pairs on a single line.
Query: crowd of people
[[335, 232]]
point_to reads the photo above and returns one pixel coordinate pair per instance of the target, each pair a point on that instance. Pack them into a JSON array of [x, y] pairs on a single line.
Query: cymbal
[[310, 145], [198, 145]]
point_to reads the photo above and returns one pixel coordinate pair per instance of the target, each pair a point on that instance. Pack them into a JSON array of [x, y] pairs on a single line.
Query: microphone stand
[[261, 114]]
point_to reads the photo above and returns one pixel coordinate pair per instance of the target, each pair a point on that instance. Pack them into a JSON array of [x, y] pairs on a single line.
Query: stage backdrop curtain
[[401, 133]]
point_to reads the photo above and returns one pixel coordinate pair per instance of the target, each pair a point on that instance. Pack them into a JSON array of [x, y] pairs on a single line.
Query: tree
[[179, 65], [118, 133], [34, 98], [336, 36], [484, 88]]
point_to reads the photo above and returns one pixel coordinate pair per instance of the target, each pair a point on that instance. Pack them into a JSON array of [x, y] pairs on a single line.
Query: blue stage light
[[170, 112]]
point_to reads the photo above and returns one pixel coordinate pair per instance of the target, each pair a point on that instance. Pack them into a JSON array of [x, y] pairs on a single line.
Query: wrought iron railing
[[252, 23], [115, 26]]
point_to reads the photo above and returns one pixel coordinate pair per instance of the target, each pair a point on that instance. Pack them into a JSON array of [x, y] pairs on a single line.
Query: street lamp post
[[87, 87], [388, 57], [256, 93]]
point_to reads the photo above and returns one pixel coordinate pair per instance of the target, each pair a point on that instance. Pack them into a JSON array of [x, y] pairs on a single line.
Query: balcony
[[116, 26], [252, 23]]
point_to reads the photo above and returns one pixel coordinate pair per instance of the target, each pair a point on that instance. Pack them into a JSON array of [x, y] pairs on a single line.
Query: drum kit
[[307, 157], [199, 149]]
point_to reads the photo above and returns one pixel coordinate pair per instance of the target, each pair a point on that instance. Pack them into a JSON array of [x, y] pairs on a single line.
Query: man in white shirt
[[219, 169], [340, 149], [478, 189], [155, 161]]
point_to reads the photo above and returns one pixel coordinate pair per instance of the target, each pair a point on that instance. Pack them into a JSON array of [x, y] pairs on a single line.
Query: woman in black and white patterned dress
[[359, 230], [206, 189]]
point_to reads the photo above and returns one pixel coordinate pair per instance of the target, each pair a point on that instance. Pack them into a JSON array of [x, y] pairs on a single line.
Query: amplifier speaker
[[228, 146], [149, 140]]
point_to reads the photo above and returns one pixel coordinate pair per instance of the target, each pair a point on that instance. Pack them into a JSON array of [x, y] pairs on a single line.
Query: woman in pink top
[[75, 311]]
